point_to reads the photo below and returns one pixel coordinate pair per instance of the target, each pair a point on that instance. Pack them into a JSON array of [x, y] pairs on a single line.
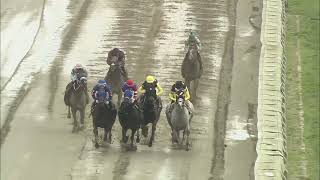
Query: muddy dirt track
[[37, 142]]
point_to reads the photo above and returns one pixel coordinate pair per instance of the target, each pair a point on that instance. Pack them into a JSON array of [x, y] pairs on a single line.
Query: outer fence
[[271, 145]]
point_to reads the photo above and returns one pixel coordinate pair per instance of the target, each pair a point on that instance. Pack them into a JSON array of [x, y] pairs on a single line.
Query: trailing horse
[[76, 101], [151, 106], [116, 79], [179, 119], [192, 69], [103, 115], [130, 117]]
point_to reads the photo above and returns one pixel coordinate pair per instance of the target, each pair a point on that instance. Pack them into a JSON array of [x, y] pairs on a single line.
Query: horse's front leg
[[138, 136], [82, 115], [69, 114], [119, 98], [133, 132], [75, 122], [154, 124], [174, 136], [95, 132], [187, 131], [195, 87], [106, 132], [124, 136]]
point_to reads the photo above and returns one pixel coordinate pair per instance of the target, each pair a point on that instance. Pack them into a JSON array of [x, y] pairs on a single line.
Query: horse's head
[[150, 102], [114, 67], [180, 100], [192, 52]]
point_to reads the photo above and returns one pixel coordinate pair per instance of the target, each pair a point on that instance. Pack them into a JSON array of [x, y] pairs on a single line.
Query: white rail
[[271, 145]]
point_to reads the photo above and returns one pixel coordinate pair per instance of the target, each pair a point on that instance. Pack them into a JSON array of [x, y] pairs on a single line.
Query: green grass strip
[[308, 14]]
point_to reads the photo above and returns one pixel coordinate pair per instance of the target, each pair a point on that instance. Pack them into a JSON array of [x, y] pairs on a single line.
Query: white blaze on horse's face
[[192, 54], [180, 101], [114, 59]]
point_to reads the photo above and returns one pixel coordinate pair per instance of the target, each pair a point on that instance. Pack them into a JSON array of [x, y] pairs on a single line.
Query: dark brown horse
[[116, 79], [192, 69]]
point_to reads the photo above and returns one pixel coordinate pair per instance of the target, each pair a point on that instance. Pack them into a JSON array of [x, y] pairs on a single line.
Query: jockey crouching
[[130, 85], [193, 40], [77, 72], [179, 86], [151, 84], [116, 56], [102, 86]]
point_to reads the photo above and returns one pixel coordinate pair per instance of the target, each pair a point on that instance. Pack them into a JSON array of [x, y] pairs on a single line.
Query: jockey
[[192, 39], [101, 86], [151, 83], [130, 85], [177, 87], [119, 61], [77, 72]]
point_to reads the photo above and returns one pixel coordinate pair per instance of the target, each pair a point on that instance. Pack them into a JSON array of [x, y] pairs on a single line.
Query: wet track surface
[[38, 138]]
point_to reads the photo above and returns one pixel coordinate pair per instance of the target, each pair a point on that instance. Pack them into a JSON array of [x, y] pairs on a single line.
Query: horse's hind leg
[[152, 134], [95, 131], [187, 131]]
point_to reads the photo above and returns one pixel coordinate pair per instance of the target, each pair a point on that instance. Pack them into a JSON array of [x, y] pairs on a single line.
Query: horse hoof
[[150, 144], [187, 147], [69, 116], [96, 145], [82, 127], [138, 140]]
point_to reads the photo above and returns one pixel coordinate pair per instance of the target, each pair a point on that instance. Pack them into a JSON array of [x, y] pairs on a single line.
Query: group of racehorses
[[136, 116]]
